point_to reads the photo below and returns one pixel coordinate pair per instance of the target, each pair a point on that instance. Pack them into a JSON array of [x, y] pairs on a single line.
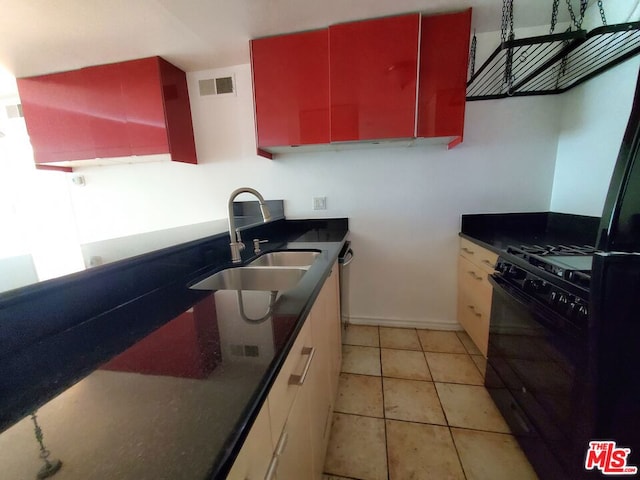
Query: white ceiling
[[44, 36]]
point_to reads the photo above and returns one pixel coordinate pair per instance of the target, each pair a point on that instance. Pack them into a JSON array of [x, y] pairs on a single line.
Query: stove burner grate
[[545, 250]]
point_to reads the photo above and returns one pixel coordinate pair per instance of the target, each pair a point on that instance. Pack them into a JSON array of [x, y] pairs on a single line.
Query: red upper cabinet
[[373, 70], [291, 89], [144, 107], [177, 113], [55, 109], [398, 77], [444, 48], [139, 107], [104, 112]]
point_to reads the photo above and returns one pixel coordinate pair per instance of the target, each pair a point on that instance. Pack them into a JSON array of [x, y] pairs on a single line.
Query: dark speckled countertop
[[163, 385], [497, 231]]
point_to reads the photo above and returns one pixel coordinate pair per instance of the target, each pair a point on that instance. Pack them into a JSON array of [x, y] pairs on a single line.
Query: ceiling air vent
[[14, 111], [217, 86]]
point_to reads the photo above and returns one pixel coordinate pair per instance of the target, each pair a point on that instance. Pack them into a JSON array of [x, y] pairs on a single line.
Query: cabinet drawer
[[474, 285], [283, 392], [474, 301], [478, 255], [475, 320], [254, 458], [472, 275]]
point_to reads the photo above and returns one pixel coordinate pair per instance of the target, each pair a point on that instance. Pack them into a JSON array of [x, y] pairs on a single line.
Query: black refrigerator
[[615, 301]]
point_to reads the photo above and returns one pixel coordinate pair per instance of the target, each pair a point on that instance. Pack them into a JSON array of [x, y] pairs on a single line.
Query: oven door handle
[[497, 281]]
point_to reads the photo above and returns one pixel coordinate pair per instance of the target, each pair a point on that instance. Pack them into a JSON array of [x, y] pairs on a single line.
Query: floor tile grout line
[[360, 345], [359, 415], [446, 418], [384, 413], [455, 446], [508, 434], [465, 345], [433, 380], [486, 364], [447, 424], [466, 428], [427, 363], [346, 478]]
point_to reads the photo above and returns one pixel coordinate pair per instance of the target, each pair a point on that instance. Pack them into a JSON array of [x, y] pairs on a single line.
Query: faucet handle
[[256, 245]]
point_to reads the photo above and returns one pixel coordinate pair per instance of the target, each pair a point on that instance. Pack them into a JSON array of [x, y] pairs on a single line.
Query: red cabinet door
[[444, 53], [374, 66], [177, 113], [105, 110], [291, 89], [57, 117], [143, 106]]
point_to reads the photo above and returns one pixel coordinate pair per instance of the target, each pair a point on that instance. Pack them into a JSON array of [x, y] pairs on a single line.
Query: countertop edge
[[479, 242]]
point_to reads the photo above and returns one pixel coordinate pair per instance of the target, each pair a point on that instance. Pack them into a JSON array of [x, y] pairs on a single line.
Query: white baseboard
[[405, 323]]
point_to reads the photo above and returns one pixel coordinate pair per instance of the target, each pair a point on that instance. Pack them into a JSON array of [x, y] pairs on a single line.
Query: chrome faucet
[[236, 242]]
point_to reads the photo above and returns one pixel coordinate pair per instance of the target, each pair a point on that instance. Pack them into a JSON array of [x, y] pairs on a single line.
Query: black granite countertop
[[497, 231], [153, 380]]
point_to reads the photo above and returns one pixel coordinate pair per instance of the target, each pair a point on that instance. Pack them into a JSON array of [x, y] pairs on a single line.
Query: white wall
[[594, 118], [38, 239], [404, 204]]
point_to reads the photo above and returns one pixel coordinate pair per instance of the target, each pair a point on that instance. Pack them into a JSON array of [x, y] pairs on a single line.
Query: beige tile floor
[[412, 406]]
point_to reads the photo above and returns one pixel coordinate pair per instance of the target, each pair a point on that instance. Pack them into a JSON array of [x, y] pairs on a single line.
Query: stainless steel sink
[[286, 259], [248, 278]]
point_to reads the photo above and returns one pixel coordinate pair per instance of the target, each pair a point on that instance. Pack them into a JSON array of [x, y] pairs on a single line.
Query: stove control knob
[[583, 312], [544, 287], [563, 303], [579, 312], [532, 285], [503, 267], [516, 273]]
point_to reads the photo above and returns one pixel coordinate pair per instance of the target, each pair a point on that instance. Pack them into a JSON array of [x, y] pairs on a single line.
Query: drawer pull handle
[[282, 443], [299, 379], [273, 465], [474, 276], [473, 309], [487, 262], [466, 250]]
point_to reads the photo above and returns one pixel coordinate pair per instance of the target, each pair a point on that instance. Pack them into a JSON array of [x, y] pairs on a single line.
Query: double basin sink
[[274, 271]]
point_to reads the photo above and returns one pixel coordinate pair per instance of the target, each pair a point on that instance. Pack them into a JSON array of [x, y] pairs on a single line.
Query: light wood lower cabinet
[[255, 456], [475, 264], [325, 330], [300, 403], [293, 456]]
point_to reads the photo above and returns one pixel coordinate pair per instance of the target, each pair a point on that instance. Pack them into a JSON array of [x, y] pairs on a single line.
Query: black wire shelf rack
[[552, 64]]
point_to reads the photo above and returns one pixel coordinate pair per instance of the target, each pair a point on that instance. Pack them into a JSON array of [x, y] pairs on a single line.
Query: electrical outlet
[[319, 203]]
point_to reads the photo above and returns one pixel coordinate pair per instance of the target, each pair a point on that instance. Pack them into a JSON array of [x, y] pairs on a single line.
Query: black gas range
[[538, 354]]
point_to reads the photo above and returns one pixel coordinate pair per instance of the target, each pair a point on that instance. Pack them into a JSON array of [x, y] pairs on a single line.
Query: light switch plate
[[319, 203]]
